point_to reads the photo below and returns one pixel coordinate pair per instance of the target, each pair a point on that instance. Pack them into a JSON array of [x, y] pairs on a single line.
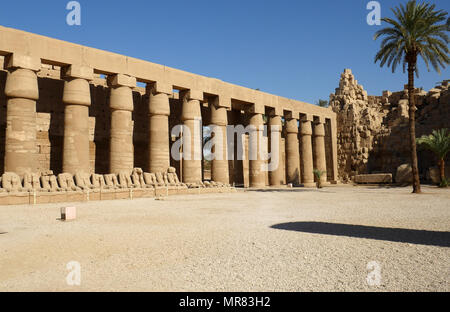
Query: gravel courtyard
[[271, 240]]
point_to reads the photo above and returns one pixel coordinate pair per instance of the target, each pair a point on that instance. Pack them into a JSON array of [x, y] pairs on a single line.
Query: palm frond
[[415, 31], [438, 142]]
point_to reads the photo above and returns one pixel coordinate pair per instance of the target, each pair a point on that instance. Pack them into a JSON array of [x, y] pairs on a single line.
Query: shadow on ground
[[421, 237]]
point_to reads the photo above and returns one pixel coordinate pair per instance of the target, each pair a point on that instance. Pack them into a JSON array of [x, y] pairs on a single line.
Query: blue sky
[[295, 49]]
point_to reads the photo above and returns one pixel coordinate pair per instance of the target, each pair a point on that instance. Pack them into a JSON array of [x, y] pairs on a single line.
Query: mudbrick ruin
[[373, 130], [78, 124]]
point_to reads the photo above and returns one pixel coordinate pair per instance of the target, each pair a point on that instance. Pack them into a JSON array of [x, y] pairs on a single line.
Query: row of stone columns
[[310, 159], [20, 152]]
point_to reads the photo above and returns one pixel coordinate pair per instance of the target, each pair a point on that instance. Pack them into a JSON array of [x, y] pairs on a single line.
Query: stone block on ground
[[404, 174], [373, 178], [68, 213]]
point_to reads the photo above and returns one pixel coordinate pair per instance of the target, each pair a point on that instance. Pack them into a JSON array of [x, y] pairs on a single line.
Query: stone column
[[334, 158], [319, 148], [292, 152], [257, 175], [22, 92], [275, 167], [159, 111], [192, 141], [121, 143], [307, 153], [219, 165], [77, 99]]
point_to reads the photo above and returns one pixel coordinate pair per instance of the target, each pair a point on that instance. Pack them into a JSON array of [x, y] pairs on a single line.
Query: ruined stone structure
[[373, 131], [77, 119]]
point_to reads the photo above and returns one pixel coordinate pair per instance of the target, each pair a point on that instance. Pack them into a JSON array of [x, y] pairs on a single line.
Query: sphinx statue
[[49, 182], [173, 178], [150, 179], [83, 181], [160, 179], [138, 178], [98, 182], [125, 180], [11, 182], [31, 182], [67, 183], [111, 181]]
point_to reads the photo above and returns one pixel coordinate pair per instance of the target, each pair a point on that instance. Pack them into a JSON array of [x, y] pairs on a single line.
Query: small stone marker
[[68, 213]]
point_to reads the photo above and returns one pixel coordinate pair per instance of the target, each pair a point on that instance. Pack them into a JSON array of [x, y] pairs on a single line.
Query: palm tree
[[318, 174], [414, 33], [322, 103], [439, 143]]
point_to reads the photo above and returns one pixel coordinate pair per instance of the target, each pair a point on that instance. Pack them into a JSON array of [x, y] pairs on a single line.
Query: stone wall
[[373, 133]]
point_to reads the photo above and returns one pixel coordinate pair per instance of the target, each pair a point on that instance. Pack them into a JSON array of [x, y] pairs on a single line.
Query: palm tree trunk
[[442, 169], [412, 126]]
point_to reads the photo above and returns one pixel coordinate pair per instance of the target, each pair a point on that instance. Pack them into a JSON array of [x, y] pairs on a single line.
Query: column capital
[[121, 80], [15, 61], [78, 72], [22, 83], [218, 113], [291, 125], [275, 120], [306, 127], [256, 119], [319, 129], [159, 104], [191, 109], [77, 92], [121, 98]]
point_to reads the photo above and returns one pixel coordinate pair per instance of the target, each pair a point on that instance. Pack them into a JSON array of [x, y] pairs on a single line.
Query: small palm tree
[[322, 103], [439, 143], [416, 32], [318, 174]]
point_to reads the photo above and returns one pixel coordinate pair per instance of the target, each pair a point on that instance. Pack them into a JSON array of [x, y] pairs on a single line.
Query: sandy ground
[[285, 240]]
